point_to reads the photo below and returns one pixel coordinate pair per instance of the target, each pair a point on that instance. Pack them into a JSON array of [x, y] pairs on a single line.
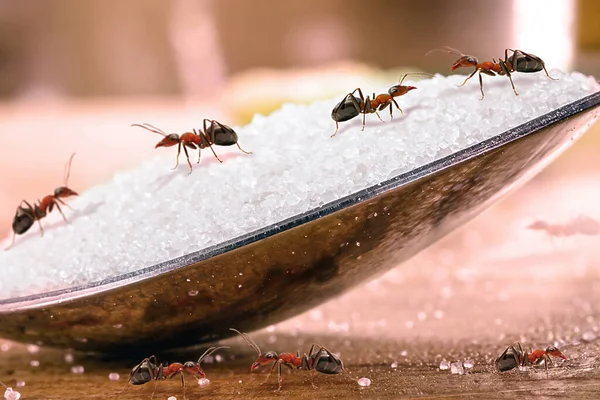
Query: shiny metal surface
[[282, 270]]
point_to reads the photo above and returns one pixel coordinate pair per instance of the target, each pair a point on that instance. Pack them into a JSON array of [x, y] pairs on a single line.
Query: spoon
[[284, 269]]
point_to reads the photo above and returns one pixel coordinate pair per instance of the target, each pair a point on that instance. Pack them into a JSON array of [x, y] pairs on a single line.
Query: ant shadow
[[76, 214], [184, 169]]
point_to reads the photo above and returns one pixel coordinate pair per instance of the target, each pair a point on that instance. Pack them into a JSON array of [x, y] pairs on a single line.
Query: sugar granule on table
[[151, 214]]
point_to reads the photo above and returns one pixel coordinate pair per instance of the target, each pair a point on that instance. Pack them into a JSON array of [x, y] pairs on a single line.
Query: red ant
[[519, 62], [351, 106], [515, 356], [215, 134], [26, 215], [149, 370], [318, 358]]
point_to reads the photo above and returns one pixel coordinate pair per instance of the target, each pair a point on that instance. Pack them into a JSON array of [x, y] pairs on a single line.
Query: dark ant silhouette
[[215, 133], [26, 215], [318, 358], [519, 61], [514, 356], [351, 106], [149, 369]]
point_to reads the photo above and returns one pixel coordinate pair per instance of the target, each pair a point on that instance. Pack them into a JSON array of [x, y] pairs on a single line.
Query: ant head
[[399, 90], [64, 191], [194, 369], [266, 359], [465, 61], [168, 141], [553, 351]]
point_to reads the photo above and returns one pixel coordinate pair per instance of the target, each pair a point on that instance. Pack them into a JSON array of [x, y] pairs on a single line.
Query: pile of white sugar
[[152, 213]]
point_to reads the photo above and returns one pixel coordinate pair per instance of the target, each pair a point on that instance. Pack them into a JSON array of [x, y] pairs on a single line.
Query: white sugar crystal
[[444, 365], [114, 376], [171, 398], [364, 382], [77, 369], [152, 214], [10, 394], [203, 381], [457, 368], [468, 364]]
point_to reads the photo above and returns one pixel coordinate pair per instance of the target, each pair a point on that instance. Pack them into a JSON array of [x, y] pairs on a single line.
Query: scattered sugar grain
[[203, 381], [20, 383], [34, 363], [114, 376], [32, 348], [77, 369], [457, 368], [127, 223], [468, 363], [444, 365], [10, 394], [364, 382], [171, 398]]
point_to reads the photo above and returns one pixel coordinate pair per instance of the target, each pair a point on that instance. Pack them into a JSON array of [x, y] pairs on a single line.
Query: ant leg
[[378, 116], [41, 228], [336, 129], [512, 84], [183, 385], [468, 77], [481, 86], [548, 75], [279, 377], [312, 382], [243, 151], [398, 107], [11, 243], [64, 204], [187, 156], [61, 213], [364, 120], [154, 389], [178, 153], [270, 372], [216, 156]]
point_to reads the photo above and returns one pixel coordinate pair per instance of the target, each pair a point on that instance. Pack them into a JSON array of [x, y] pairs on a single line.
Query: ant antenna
[[209, 351], [447, 49], [151, 128], [248, 341], [413, 74], [2, 383], [68, 169]]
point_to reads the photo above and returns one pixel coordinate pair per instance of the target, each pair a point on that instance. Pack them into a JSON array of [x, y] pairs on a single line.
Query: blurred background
[[74, 74]]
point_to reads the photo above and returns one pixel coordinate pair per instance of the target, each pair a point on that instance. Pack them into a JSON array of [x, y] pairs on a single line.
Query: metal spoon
[[284, 269]]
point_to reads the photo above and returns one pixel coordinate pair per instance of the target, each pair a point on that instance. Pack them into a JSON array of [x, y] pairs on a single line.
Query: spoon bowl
[[284, 269]]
